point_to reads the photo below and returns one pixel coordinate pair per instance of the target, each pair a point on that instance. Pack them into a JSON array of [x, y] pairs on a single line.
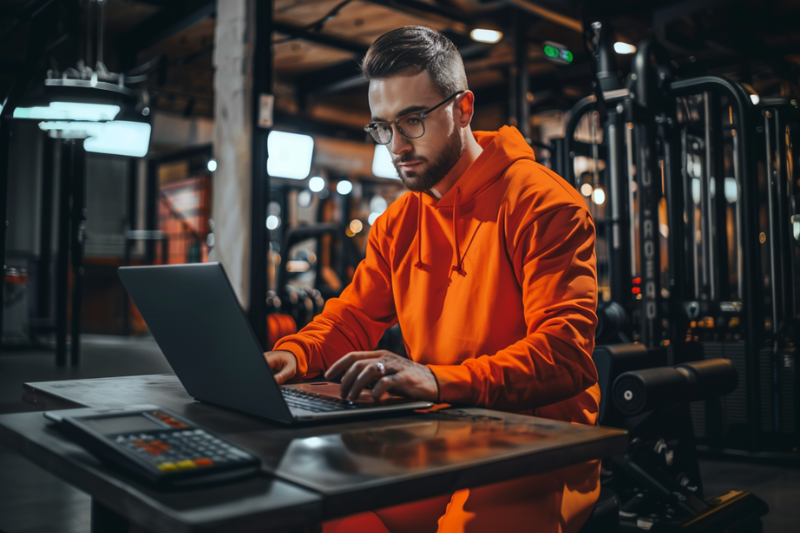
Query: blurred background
[[140, 132]]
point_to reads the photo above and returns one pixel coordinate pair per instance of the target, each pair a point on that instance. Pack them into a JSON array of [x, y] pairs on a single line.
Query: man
[[488, 264]]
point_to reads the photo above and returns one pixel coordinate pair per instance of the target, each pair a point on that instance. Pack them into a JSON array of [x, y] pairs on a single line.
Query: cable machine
[[698, 243]]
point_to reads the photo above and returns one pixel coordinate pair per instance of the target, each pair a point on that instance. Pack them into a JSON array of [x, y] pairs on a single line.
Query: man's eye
[[413, 120]]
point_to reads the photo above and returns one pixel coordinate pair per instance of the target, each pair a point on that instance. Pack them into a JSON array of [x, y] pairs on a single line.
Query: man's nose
[[399, 144]]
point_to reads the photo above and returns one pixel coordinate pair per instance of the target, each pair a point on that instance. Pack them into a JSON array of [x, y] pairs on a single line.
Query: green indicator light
[[549, 51], [568, 56]]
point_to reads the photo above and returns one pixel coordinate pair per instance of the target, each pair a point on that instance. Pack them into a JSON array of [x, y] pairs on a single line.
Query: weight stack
[[779, 415], [765, 390], [723, 419], [788, 378]]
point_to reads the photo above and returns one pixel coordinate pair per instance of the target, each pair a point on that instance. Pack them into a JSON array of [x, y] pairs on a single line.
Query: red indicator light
[[637, 281], [636, 290]]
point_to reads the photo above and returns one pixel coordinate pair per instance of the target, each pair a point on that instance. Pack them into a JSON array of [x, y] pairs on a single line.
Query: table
[[309, 473]]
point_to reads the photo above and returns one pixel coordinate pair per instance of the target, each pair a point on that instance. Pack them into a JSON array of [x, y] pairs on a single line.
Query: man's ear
[[466, 105]]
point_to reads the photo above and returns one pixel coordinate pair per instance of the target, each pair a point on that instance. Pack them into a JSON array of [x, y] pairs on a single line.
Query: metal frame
[[260, 184], [42, 20], [46, 234], [753, 293], [62, 261], [778, 116], [78, 239]]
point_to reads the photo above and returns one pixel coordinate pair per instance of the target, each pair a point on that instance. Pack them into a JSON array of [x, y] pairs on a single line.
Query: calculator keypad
[[179, 451]]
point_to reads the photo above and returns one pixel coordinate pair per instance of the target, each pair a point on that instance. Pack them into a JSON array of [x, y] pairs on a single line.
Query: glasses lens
[[381, 133], [411, 126]]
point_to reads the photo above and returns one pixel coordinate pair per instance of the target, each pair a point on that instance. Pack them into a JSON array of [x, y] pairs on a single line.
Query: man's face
[[423, 162]]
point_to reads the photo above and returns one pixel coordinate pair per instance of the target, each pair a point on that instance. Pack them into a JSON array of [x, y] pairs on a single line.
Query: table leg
[[104, 520]]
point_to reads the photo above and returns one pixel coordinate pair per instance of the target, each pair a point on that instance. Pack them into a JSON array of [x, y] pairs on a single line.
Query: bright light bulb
[[374, 216], [624, 48], [483, 35], [289, 155], [356, 225], [382, 165], [273, 222], [69, 111], [212, 165], [117, 138], [316, 184], [344, 187], [586, 189], [599, 196], [304, 198], [120, 138], [755, 99], [378, 204], [731, 190]]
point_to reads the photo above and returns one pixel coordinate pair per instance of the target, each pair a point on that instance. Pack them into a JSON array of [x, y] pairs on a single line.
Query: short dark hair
[[419, 48]]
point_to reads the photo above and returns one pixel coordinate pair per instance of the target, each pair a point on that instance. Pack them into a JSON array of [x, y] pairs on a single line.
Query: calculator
[[155, 444]]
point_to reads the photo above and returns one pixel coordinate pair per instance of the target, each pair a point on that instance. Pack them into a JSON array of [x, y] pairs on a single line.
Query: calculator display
[[124, 424]]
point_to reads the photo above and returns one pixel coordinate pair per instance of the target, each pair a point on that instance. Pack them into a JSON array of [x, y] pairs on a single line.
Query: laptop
[[197, 321]]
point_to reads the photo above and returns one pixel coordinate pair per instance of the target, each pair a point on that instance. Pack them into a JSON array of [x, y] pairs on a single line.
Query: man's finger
[[384, 385], [350, 377], [284, 375], [345, 362], [370, 373], [274, 363]]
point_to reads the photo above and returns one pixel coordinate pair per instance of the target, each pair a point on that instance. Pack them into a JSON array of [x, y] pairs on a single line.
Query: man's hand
[[386, 372], [283, 365]]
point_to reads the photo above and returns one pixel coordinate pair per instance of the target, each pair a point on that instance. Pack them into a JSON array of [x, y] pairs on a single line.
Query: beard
[[433, 171]]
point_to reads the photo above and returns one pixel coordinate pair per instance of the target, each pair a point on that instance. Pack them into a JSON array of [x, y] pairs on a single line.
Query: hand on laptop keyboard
[[385, 372], [283, 365]]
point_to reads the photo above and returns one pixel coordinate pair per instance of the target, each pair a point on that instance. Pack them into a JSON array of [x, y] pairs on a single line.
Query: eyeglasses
[[411, 126]]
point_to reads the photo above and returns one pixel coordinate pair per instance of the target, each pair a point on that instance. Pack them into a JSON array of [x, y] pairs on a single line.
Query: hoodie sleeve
[[353, 322], [554, 260]]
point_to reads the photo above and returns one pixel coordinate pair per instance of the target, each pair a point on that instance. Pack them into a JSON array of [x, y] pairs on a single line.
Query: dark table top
[[261, 503], [367, 463]]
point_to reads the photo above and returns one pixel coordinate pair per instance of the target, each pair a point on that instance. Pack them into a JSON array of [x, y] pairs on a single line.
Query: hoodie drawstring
[[459, 263], [419, 264], [456, 215]]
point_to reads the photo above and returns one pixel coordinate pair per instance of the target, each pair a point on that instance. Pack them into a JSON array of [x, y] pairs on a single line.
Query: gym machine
[[778, 369], [659, 478], [699, 219], [698, 244]]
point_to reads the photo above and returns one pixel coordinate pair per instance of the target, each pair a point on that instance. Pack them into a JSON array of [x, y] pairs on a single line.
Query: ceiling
[[317, 83]]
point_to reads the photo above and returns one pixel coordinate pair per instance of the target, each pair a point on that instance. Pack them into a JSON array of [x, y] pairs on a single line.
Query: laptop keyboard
[[316, 403]]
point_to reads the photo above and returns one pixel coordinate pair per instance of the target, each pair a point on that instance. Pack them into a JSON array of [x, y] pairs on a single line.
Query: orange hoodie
[[494, 286]]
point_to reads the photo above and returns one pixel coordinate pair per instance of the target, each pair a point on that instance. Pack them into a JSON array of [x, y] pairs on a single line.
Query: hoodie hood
[[501, 149]]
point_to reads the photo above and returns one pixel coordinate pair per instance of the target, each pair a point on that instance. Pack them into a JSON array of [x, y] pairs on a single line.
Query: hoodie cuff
[[299, 354], [455, 383]]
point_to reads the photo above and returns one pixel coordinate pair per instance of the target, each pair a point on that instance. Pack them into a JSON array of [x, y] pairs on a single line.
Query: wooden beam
[[319, 38], [164, 24]]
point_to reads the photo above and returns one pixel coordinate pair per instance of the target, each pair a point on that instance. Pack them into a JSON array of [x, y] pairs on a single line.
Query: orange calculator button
[[204, 462]]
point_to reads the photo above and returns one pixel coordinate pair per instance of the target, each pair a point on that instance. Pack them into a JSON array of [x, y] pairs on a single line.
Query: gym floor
[[33, 501]]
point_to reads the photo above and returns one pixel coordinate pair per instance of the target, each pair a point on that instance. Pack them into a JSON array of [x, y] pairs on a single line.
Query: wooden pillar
[[232, 142], [243, 61]]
